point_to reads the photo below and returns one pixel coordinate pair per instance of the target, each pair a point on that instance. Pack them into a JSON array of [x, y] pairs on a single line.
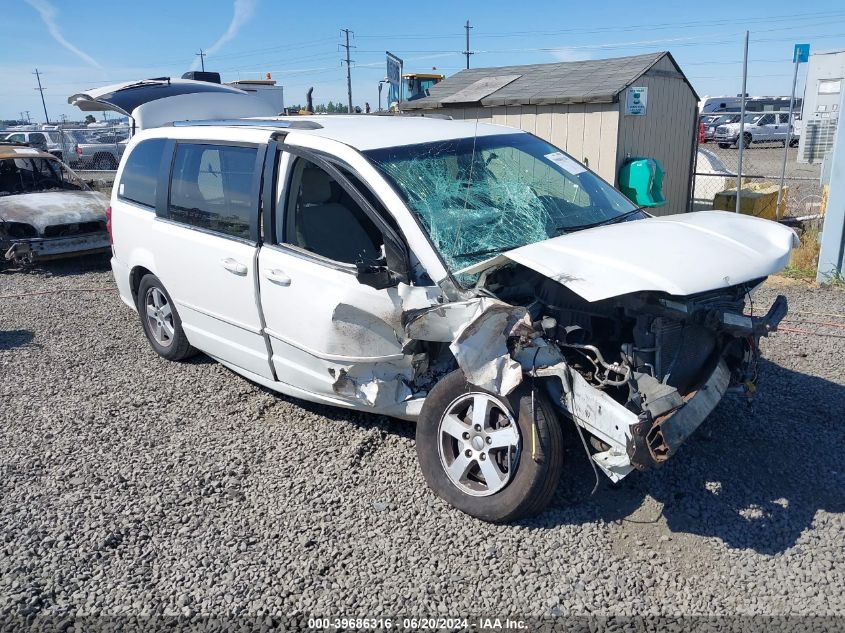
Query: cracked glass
[[478, 197]]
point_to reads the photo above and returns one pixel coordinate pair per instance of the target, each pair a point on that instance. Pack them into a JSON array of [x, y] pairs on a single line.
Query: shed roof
[[589, 81]]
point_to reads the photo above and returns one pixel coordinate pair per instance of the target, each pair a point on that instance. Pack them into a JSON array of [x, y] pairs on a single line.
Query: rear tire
[[104, 162], [498, 466], [724, 145], [161, 321]]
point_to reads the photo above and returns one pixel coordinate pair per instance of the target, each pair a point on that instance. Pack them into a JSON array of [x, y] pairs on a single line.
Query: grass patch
[[792, 272], [805, 259]]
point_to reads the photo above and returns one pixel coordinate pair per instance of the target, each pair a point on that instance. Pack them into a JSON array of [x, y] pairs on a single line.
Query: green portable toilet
[[641, 179]]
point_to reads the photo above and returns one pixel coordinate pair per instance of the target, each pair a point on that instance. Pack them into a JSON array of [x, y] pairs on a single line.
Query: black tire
[[178, 347], [747, 140], [794, 142], [104, 162], [724, 145], [536, 467]]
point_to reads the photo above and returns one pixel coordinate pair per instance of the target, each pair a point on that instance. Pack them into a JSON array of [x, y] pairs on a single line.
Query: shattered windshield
[[477, 197], [31, 175]]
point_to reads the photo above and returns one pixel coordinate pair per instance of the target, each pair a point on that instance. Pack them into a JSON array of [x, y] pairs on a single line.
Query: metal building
[[600, 111], [820, 111]]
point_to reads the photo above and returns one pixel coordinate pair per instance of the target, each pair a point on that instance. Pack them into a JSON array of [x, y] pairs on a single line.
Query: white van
[[468, 276]]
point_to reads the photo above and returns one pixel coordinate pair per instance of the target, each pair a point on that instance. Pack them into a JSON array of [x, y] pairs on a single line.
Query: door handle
[[234, 266], [278, 277]]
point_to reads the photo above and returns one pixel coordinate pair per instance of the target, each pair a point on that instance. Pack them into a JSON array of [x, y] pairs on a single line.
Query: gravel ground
[[132, 485]]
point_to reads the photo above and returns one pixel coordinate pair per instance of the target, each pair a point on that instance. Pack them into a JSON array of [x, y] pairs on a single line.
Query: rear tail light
[[108, 223], [78, 151]]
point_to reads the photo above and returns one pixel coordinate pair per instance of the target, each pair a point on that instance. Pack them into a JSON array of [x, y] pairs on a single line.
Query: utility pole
[[41, 90], [741, 140], [202, 59], [348, 68], [28, 120], [467, 52]]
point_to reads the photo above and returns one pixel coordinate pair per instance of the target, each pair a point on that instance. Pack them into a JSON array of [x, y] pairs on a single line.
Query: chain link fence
[[717, 165], [96, 149]]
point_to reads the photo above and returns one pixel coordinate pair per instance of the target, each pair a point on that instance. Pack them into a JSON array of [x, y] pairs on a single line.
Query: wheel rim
[[159, 317], [479, 444]]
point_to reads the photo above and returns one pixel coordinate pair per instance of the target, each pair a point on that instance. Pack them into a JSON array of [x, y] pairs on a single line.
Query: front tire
[[161, 321], [495, 458]]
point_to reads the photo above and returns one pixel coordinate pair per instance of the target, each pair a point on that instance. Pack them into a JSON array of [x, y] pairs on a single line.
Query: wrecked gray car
[[467, 276], [46, 210]]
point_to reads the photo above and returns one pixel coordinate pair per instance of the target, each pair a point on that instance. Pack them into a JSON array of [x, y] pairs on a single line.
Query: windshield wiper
[[618, 218]]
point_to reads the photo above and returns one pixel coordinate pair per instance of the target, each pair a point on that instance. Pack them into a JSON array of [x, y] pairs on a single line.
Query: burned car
[[467, 276], [46, 210]]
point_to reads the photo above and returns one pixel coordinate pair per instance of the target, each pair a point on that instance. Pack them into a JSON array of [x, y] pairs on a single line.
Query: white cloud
[[243, 12], [570, 55], [48, 16]]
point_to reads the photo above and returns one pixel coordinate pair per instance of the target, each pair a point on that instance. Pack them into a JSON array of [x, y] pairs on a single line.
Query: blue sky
[[79, 45]]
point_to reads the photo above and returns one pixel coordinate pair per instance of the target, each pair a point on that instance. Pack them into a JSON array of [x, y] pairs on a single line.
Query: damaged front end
[[638, 373]]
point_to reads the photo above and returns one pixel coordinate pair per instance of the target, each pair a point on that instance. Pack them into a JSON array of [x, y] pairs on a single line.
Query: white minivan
[[468, 276]]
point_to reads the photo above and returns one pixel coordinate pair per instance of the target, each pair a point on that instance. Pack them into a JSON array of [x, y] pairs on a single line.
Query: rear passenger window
[[211, 188], [140, 174]]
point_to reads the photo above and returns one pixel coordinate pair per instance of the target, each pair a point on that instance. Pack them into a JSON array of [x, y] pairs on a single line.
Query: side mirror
[[376, 275]]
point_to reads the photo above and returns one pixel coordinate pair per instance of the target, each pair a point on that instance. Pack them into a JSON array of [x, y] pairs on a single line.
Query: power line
[[41, 90], [628, 28], [348, 68]]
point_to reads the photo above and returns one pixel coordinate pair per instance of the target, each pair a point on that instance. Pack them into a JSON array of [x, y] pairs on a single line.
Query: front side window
[[323, 218], [483, 196], [140, 174], [212, 188]]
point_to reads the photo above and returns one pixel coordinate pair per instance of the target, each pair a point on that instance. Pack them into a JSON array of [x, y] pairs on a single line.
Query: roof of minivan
[[363, 132]]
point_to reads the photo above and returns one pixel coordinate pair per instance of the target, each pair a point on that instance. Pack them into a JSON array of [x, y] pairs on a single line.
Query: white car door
[[206, 250], [328, 331], [766, 128], [781, 126]]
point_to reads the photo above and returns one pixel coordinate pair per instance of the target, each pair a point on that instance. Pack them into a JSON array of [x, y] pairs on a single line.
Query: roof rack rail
[[295, 125]]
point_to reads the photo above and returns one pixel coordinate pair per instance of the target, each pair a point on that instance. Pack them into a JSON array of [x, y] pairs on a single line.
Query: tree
[[90, 119], [331, 107]]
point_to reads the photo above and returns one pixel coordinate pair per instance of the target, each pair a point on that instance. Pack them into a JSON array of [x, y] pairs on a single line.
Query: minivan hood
[[678, 254]]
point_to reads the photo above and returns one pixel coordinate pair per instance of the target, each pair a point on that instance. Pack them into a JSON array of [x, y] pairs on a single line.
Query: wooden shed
[[600, 111]]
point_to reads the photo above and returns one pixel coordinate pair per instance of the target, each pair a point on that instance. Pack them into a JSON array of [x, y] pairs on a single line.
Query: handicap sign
[[801, 54]]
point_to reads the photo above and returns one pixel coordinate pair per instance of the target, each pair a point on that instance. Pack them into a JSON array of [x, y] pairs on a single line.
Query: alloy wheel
[[479, 444], [159, 316]]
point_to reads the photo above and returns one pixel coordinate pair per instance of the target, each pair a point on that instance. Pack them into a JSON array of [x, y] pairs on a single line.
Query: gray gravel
[[132, 485]]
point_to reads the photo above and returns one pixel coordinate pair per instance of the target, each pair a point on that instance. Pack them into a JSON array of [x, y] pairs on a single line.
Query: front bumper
[[646, 440], [725, 138], [30, 250], [652, 442]]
